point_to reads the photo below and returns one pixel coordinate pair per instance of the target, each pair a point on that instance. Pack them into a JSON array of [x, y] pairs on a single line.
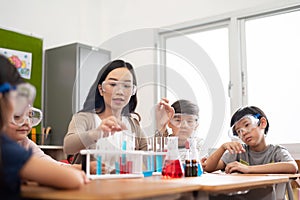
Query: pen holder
[[40, 138], [43, 139]]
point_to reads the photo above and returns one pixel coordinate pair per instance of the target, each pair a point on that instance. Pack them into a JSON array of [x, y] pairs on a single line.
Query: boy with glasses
[[183, 122], [250, 125]]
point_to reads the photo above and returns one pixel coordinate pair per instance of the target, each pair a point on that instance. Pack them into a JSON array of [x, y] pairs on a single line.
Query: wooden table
[[154, 186], [288, 187]]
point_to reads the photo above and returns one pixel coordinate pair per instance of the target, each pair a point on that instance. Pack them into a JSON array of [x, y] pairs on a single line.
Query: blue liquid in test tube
[[99, 165], [200, 170], [124, 155], [159, 160], [117, 165], [150, 166], [123, 167]]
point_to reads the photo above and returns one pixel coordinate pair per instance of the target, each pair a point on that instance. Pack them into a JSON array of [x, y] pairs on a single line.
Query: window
[[185, 80], [255, 53], [273, 71]]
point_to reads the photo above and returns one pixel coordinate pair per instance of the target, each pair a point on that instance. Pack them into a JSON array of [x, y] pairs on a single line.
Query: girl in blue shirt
[[15, 162]]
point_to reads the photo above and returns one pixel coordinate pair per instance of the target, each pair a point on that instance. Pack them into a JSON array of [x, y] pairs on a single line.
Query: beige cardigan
[[83, 134]]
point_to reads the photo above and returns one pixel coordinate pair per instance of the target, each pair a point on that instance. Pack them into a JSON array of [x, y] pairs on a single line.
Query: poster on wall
[[22, 60]]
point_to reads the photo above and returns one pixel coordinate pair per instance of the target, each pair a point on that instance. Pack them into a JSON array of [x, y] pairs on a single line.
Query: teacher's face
[[117, 89]]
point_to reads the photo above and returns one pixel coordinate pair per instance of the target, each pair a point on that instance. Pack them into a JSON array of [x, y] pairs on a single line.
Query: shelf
[[50, 147], [56, 152]]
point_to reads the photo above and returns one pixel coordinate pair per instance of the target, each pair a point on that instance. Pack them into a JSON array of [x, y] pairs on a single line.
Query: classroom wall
[[94, 21]]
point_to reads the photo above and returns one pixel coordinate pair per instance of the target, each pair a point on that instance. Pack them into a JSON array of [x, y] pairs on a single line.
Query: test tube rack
[[134, 162]]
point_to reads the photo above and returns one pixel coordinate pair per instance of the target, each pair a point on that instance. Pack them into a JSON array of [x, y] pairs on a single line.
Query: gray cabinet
[[70, 71]]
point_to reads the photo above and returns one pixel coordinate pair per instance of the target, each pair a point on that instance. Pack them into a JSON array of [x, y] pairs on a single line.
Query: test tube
[[158, 158], [123, 163], [99, 165]]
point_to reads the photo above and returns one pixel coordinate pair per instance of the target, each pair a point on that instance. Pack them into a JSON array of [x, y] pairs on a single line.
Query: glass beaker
[[172, 165]]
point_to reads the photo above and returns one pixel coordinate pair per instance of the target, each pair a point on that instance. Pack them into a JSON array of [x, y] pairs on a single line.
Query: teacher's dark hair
[[95, 102]]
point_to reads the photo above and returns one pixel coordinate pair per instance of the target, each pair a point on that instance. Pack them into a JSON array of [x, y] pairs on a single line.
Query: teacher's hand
[[110, 125]]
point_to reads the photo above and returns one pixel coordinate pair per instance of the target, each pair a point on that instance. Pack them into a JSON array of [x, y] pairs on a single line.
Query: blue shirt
[[13, 157]]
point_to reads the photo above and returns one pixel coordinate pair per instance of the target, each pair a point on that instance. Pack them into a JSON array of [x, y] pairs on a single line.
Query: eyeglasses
[[25, 97], [245, 125], [191, 121], [111, 86], [33, 116]]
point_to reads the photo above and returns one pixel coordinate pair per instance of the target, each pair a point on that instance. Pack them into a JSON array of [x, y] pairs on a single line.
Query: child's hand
[[233, 147], [85, 178], [164, 112], [203, 162], [81, 176], [236, 167]]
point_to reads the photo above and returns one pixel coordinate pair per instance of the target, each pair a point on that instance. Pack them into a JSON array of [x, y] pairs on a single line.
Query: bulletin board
[[27, 43]]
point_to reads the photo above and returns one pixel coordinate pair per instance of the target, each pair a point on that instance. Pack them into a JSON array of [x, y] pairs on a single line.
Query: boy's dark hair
[[186, 107], [249, 110]]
